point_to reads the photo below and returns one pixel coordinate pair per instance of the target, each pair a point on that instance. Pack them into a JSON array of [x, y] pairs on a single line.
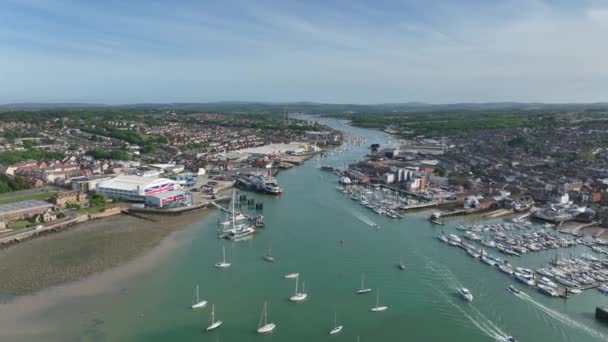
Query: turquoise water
[[304, 229]]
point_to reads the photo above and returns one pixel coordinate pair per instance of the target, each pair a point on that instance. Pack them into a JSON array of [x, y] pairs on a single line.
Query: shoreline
[[83, 251]]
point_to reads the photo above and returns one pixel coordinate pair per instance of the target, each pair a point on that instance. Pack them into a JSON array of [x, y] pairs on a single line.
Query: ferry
[[261, 183]]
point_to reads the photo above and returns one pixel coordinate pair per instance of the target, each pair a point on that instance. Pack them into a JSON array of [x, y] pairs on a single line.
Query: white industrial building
[[169, 199], [135, 188]]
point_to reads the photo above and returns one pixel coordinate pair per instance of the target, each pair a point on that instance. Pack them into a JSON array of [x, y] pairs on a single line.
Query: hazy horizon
[[338, 52]]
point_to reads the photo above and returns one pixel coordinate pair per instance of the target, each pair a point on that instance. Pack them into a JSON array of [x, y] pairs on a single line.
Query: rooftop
[[131, 183], [16, 207]]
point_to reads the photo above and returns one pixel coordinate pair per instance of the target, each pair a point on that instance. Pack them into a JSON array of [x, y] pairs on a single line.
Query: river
[[148, 299]]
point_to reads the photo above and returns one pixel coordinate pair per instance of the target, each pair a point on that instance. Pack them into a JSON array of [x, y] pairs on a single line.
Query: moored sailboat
[[266, 327], [214, 324], [378, 307], [199, 303], [337, 328], [223, 264], [363, 290]]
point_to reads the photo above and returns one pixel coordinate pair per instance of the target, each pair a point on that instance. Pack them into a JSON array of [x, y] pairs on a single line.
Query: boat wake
[[469, 311], [561, 317], [364, 219]]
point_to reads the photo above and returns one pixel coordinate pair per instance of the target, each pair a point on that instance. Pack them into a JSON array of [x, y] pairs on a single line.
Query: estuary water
[[304, 227]]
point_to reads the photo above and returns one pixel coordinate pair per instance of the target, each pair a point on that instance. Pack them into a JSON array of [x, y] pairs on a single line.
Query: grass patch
[[41, 196], [20, 224]]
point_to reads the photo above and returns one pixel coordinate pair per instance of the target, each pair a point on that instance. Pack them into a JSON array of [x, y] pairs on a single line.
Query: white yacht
[[299, 296], [266, 327], [466, 294], [291, 275], [443, 238], [223, 264], [199, 303], [378, 307], [363, 290], [473, 253], [454, 240], [337, 328], [548, 290], [525, 278], [214, 324]]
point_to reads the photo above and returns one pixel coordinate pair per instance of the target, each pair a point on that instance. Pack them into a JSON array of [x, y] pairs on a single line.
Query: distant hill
[[311, 107]]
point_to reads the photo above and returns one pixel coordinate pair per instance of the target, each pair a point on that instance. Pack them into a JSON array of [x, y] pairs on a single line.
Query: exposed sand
[[100, 247]]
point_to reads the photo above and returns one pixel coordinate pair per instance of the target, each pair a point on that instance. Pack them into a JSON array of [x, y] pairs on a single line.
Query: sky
[[333, 51]]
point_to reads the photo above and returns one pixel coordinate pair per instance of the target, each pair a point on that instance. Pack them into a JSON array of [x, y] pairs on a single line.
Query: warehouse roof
[[17, 207], [131, 183]]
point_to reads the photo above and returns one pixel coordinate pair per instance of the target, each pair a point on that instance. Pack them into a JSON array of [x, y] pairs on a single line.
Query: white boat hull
[[363, 291], [292, 275], [222, 265], [379, 308], [200, 304], [299, 297], [336, 330], [214, 326], [267, 328]]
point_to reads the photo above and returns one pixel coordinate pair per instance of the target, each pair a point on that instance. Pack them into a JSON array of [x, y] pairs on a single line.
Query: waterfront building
[[135, 188], [23, 209], [169, 199], [88, 183]]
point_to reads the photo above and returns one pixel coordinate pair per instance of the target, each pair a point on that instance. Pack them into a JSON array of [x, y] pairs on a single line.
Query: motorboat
[[548, 290], [266, 327], [466, 294], [525, 278], [488, 260], [506, 267], [473, 253], [443, 238], [513, 289]]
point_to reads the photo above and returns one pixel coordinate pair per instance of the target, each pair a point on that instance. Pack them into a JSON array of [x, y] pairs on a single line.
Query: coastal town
[[163, 164], [508, 195]]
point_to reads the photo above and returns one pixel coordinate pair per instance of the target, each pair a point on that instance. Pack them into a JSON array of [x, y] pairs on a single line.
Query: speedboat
[[443, 238], [466, 294], [291, 275], [513, 289]]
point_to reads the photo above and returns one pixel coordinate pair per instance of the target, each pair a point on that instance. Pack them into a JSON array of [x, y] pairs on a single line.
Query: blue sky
[[345, 51]]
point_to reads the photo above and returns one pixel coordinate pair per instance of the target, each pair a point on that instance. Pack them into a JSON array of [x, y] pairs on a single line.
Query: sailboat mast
[[224, 252], [197, 300], [265, 314], [297, 279]]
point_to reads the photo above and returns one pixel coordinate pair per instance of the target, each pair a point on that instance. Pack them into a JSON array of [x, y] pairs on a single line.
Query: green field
[[39, 196]]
